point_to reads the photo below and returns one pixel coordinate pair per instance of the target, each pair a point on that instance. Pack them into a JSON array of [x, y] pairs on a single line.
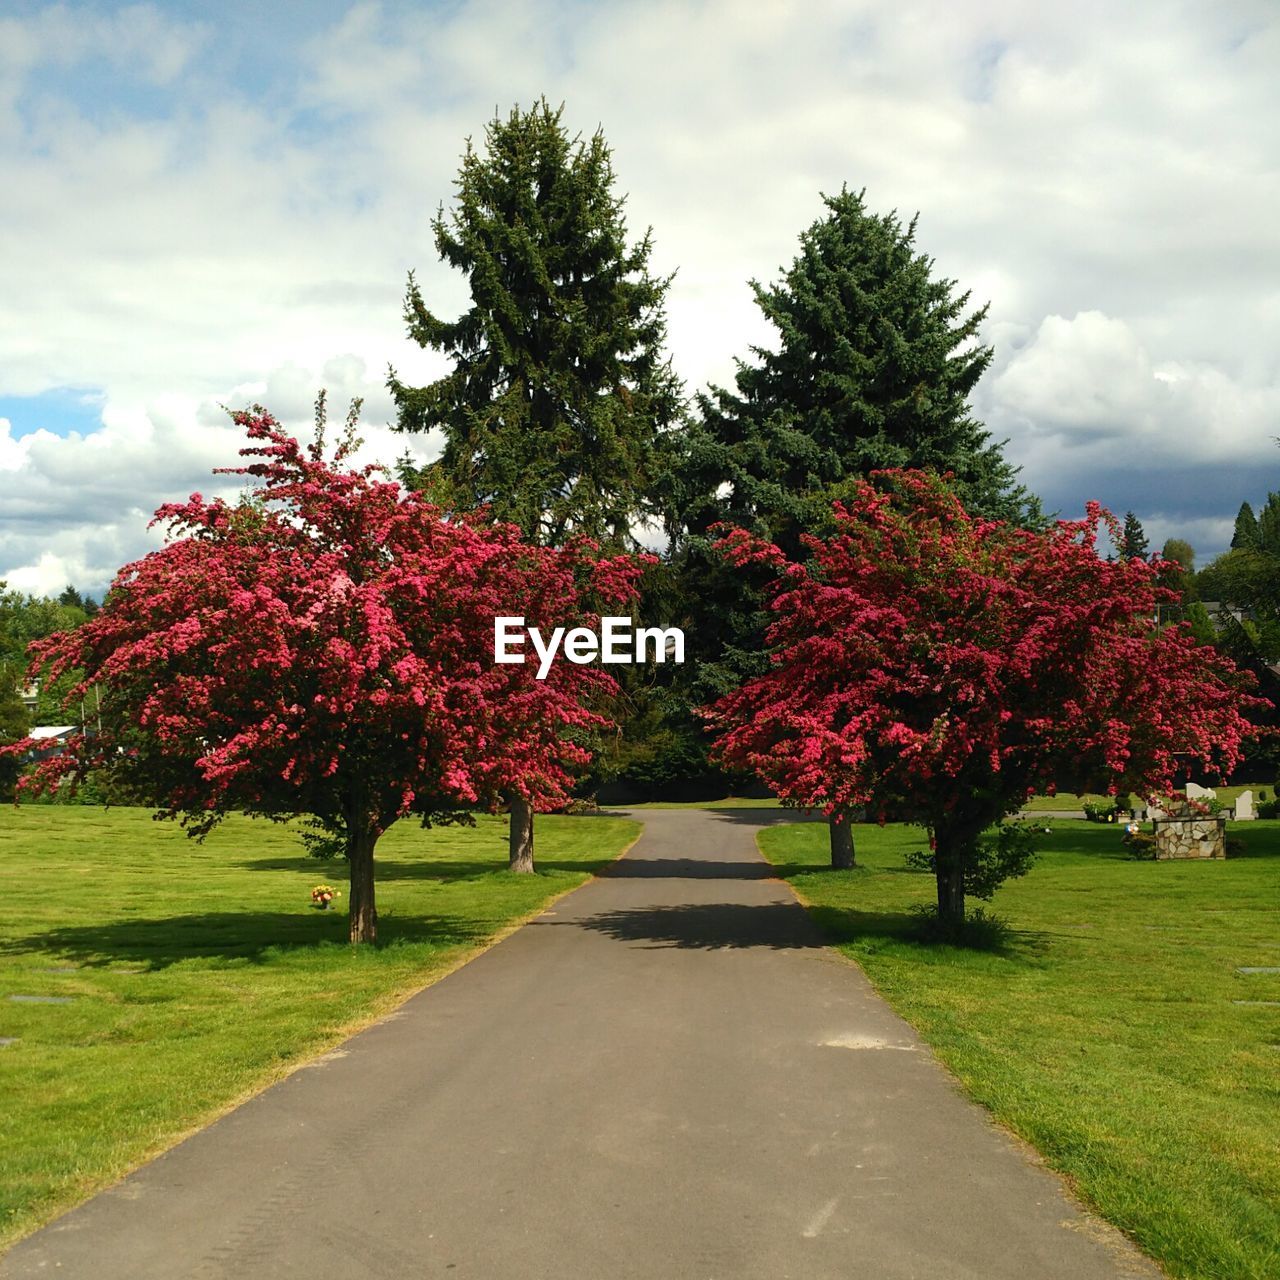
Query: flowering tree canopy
[[941, 668], [325, 647]]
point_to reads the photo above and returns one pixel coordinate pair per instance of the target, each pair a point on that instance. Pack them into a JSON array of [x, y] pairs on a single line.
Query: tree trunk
[[949, 870], [841, 831], [364, 914], [521, 838]]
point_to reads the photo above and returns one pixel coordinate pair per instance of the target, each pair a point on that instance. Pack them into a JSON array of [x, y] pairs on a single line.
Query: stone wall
[[1194, 837]]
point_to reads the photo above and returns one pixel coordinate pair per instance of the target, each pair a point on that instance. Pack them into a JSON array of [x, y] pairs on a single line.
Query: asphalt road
[[664, 1076]]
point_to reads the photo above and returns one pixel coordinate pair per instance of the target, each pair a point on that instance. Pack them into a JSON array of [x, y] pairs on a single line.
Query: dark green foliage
[[24, 618], [1002, 853], [1134, 543], [1197, 617], [1246, 580], [876, 359], [1139, 846], [1269, 526], [1103, 811], [559, 388], [875, 364], [1181, 552], [13, 728], [1245, 537]]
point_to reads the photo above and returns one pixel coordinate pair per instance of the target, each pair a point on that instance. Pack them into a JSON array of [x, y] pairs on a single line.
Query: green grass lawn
[[1107, 1031], [196, 974]]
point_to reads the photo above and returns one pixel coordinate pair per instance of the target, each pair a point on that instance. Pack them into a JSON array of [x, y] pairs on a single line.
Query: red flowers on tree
[[938, 668], [325, 648]]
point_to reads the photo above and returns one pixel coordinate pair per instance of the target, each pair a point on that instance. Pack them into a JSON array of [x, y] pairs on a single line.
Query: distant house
[[30, 694], [53, 738], [1217, 611]]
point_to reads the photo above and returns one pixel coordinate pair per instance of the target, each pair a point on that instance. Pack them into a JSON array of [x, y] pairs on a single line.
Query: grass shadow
[[241, 935], [846, 926], [443, 869]]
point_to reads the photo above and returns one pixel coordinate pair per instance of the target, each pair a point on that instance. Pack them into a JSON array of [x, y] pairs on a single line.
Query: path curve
[[665, 1075]]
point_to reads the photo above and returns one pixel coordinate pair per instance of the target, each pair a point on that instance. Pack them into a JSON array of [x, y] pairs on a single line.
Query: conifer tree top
[[559, 388], [875, 362]]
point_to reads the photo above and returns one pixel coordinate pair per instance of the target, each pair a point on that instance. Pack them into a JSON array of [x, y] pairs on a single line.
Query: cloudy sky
[[206, 205]]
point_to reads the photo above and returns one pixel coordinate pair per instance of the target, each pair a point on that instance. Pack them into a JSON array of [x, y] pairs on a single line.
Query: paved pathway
[[664, 1076]]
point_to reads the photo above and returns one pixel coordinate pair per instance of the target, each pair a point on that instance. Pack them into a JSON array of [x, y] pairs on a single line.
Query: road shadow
[[712, 926], [249, 936], [632, 867], [743, 817], [767, 817]]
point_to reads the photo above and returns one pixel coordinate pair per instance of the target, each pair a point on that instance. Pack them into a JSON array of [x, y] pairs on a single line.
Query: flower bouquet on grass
[[322, 896]]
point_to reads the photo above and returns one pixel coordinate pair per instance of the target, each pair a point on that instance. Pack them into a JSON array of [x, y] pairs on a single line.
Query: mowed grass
[[196, 974], [1107, 1031]]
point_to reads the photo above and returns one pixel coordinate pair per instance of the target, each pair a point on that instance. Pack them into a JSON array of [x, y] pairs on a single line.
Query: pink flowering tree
[[324, 647], [931, 666]]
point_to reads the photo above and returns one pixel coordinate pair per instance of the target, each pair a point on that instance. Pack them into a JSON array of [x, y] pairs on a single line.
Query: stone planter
[[1198, 836]]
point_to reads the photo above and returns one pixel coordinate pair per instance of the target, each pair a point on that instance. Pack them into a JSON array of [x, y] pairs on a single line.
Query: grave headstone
[[1245, 812]]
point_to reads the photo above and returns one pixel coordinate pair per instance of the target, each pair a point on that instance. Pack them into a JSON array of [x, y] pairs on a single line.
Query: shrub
[[1140, 846], [1103, 810], [1001, 854]]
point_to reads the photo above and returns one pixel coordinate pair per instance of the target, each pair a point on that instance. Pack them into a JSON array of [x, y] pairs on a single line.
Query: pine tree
[[559, 393], [1269, 525], [875, 364], [1134, 544], [1245, 537], [559, 388], [875, 361]]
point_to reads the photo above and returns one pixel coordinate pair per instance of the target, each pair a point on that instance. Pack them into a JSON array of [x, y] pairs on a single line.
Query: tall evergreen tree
[[1245, 536], [1269, 525], [875, 364], [1133, 545], [876, 358], [559, 388]]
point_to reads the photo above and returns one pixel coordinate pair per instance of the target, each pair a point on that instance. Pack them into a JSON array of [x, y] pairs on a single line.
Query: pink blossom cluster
[[325, 647], [938, 667]]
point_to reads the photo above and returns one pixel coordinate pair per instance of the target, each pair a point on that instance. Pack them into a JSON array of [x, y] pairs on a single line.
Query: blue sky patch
[[61, 410]]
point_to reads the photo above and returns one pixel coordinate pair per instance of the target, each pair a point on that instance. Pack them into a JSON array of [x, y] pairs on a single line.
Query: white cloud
[[1090, 378], [76, 507], [1106, 176]]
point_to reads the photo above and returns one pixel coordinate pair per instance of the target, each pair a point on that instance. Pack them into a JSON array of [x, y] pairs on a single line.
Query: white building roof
[[52, 730]]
